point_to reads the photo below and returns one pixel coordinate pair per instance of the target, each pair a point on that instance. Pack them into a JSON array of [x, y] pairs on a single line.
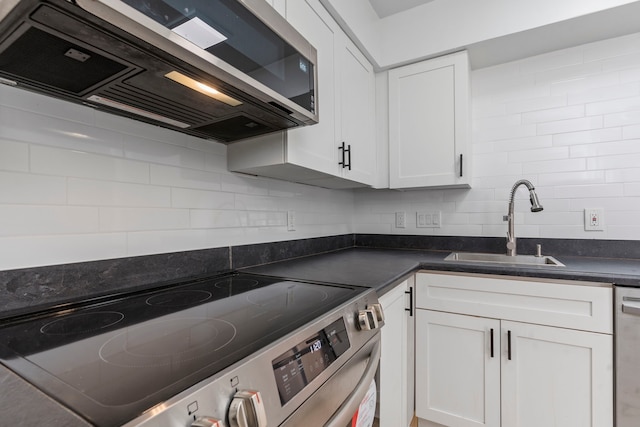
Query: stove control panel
[[247, 410]]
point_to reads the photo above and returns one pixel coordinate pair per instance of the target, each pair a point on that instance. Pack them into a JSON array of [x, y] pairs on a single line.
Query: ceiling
[[385, 8]]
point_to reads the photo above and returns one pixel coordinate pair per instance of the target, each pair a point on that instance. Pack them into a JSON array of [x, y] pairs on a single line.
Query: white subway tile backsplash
[[611, 48], [62, 162], [201, 199], [105, 193], [608, 93], [567, 178], [140, 219], [589, 88], [631, 132], [587, 136], [606, 148], [162, 241], [153, 151], [631, 75], [620, 105], [15, 156], [621, 62], [25, 126], [23, 188], [623, 175], [526, 156], [206, 218], [559, 59], [544, 102], [632, 189], [622, 119], [498, 122], [553, 166], [31, 102], [613, 162], [32, 251], [185, 178], [510, 132], [569, 73], [32, 220], [570, 125], [553, 114], [591, 190]]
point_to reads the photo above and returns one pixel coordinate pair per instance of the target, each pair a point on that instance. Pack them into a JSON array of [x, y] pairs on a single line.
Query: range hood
[[217, 69]]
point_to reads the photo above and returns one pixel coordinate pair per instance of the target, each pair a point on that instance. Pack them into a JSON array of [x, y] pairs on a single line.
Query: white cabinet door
[[556, 377], [457, 374], [396, 360], [314, 146], [356, 112], [429, 143]]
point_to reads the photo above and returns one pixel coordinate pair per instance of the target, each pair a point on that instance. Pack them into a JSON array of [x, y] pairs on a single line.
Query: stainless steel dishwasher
[[627, 336]]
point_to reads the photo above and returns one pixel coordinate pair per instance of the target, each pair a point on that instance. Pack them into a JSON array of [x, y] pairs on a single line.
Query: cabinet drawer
[[579, 305]]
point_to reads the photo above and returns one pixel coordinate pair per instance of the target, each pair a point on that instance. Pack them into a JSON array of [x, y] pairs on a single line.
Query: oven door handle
[[631, 306], [344, 415]]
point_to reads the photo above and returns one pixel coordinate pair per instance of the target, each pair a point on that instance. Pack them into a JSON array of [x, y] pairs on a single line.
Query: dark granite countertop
[[383, 268]]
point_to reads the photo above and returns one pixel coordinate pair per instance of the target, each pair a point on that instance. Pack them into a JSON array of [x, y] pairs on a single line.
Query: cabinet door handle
[[342, 148], [460, 165], [492, 342], [509, 345], [410, 309], [348, 150]]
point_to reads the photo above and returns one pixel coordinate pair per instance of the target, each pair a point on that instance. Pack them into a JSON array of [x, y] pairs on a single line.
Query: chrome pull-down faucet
[[535, 207]]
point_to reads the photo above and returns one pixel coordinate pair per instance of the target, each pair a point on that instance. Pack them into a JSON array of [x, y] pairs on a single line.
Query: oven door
[[338, 399]]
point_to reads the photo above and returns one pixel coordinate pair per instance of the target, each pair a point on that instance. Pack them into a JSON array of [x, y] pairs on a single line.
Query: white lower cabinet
[[396, 361], [480, 364]]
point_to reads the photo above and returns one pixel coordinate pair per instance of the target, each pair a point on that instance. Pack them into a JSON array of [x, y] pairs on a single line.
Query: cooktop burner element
[[179, 298], [83, 322], [113, 360]]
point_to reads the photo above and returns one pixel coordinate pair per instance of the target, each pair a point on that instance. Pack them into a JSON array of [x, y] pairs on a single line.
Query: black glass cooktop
[[111, 361]]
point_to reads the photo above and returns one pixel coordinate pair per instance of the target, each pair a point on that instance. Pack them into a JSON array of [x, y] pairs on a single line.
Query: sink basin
[[504, 259]]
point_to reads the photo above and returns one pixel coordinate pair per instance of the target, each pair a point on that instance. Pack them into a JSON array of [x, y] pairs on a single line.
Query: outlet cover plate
[[594, 219]]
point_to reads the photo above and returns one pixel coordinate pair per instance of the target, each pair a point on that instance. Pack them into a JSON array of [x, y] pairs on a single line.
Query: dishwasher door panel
[[627, 339]]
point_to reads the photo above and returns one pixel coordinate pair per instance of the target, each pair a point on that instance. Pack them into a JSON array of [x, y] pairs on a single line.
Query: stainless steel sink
[[504, 259]]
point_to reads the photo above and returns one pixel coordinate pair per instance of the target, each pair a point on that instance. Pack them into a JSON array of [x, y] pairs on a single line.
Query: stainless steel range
[[233, 350]]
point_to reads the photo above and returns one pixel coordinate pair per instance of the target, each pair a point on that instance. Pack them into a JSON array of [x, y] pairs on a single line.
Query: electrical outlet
[[401, 220], [291, 221], [594, 219]]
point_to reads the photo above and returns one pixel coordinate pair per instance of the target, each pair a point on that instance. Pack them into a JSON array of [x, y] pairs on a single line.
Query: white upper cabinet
[[429, 140], [356, 112], [345, 101]]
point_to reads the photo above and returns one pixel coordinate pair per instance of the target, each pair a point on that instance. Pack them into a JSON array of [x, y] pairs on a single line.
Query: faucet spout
[[535, 207]]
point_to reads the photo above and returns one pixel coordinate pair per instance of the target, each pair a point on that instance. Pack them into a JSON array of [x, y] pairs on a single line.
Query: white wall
[[79, 185], [569, 121]]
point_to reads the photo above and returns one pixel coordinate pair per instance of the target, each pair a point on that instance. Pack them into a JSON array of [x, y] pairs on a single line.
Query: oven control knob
[[207, 422], [247, 410], [377, 309], [367, 319]]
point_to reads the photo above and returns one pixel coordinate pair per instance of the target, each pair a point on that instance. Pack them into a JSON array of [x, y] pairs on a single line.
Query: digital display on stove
[[298, 366]]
